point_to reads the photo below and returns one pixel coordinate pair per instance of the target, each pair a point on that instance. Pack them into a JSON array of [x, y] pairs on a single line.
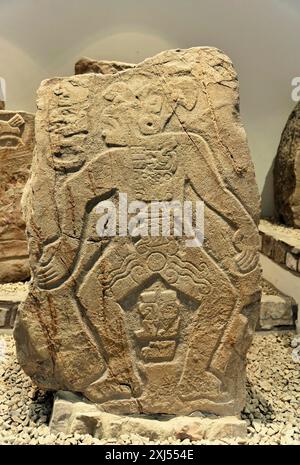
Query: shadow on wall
[[267, 194]]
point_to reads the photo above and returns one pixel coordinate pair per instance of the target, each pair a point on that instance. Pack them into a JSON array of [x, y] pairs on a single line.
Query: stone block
[[291, 262], [72, 415], [267, 246], [276, 311], [9, 303], [279, 252]]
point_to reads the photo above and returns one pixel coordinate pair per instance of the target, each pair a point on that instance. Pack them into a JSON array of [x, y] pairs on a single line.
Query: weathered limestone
[[142, 324], [72, 414], [87, 65], [287, 172], [16, 149], [281, 244], [9, 303], [276, 311]]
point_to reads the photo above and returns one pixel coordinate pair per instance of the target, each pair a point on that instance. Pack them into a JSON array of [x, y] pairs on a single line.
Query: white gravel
[[11, 288], [272, 410]]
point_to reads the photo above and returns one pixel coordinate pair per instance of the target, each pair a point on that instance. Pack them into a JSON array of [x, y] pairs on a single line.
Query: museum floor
[[272, 410]]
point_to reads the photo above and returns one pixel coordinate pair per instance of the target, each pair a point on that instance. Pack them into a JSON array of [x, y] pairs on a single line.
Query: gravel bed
[[269, 289], [272, 410], [10, 288]]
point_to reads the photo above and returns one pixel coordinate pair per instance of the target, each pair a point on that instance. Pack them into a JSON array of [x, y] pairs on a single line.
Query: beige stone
[[276, 311], [291, 261], [289, 236], [16, 149], [9, 303], [287, 172], [73, 415], [280, 251], [142, 324], [281, 243], [267, 245], [87, 65]]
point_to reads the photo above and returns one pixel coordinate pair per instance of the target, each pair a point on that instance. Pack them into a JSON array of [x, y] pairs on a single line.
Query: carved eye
[[149, 124]]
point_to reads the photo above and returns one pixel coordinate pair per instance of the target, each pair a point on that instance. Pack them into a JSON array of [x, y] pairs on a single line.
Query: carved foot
[[208, 385], [109, 388]]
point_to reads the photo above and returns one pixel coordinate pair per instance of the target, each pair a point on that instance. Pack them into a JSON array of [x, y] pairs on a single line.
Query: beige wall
[[44, 38]]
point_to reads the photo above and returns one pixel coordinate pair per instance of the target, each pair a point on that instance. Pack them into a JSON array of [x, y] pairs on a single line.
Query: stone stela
[[287, 173], [142, 324], [16, 150]]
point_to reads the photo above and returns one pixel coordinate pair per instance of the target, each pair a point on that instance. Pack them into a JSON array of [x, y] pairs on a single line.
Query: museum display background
[[40, 39]]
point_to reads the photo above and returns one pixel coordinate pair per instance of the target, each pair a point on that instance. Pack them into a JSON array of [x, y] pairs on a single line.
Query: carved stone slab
[[16, 149], [287, 172], [142, 324]]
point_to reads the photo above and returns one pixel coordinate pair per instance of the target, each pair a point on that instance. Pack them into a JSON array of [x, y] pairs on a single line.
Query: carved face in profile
[[139, 108], [131, 112]]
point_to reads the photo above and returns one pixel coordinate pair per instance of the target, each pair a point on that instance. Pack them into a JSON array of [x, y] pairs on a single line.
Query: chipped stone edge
[[73, 414], [282, 250]]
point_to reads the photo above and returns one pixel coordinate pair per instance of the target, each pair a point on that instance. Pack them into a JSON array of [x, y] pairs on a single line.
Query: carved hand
[[246, 243], [56, 263]]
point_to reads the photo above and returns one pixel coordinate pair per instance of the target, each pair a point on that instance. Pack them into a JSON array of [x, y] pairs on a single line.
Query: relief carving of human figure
[[149, 162]]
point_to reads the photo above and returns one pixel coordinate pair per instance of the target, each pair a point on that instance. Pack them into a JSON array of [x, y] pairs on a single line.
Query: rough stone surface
[[16, 149], [87, 65], [11, 295], [71, 415], [281, 244], [287, 172], [292, 262], [275, 311], [286, 235], [144, 324], [279, 252], [268, 245]]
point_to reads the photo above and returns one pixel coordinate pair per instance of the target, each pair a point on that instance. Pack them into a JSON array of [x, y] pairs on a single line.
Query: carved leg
[[120, 379], [217, 304], [54, 318]]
